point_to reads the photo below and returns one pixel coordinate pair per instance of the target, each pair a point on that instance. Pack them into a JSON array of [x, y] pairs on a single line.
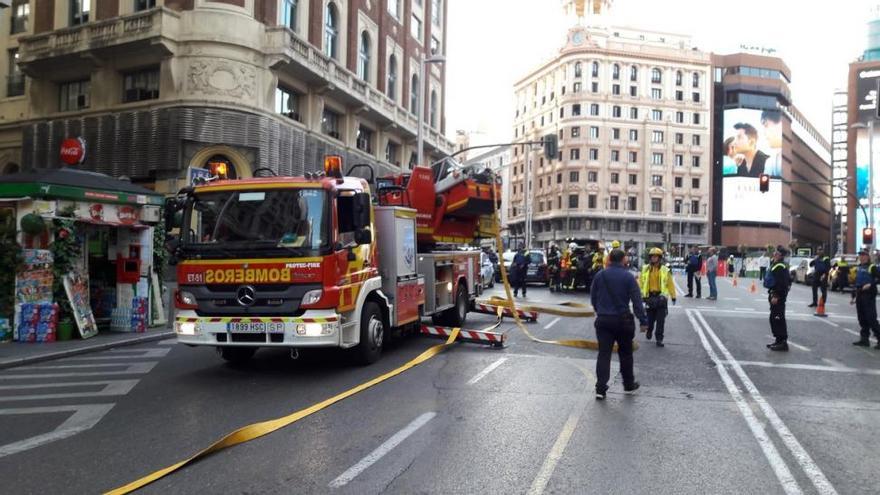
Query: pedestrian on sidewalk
[[519, 268], [731, 269], [611, 293], [693, 267], [657, 289], [763, 264], [777, 284], [821, 266], [864, 297], [712, 273]]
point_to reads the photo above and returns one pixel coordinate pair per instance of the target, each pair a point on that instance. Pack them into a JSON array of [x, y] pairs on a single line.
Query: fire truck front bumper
[[313, 329]]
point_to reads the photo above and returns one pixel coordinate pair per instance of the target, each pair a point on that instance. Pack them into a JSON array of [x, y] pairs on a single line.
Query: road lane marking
[[547, 327], [780, 468], [543, 477], [835, 325], [798, 346], [836, 368], [488, 369], [84, 417], [131, 369], [833, 363], [813, 472], [387, 446], [168, 342], [744, 309], [111, 388], [118, 355]]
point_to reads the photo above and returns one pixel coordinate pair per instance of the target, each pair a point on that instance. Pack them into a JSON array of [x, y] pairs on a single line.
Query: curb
[[13, 363]]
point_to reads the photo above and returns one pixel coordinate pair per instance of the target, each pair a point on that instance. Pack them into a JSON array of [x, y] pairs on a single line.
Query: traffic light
[[764, 182], [551, 146], [868, 236]]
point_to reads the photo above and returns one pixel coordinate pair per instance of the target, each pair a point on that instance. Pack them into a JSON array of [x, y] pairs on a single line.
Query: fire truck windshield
[[262, 222]]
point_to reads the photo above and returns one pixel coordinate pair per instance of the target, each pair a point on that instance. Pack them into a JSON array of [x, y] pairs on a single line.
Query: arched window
[[696, 79], [656, 75], [364, 57], [678, 78], [10, 168], [434, 109], [595, 69], [633, 73], [578, 69], [414, 94], [391, 89], [331, 31], [288, 13], [615, 72]]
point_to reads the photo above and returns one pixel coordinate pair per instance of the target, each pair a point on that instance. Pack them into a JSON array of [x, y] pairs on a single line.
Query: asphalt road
[[717, 413]]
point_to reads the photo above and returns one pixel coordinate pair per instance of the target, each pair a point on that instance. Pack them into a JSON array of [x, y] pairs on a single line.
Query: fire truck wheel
[[372, 334], [236, 355], [456, 315]]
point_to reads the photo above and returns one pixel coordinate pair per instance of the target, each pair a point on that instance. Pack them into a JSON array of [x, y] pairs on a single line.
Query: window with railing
[[140, 85], [140, 5], [364, 57], [391, 84], [79, 11], [21, 11], [365, 137], [331, 31], [330, 124], [74, 95], [15, 79], [287, 103]]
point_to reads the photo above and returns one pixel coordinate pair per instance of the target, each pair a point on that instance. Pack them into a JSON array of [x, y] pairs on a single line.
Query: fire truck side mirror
[[362, 205], [172, 245], [363, 236]]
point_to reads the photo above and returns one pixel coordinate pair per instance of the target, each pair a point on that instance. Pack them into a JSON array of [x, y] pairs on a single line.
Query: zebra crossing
[[84, 388]]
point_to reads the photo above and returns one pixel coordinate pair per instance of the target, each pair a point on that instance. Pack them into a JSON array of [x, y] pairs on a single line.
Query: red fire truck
[[326, 260]]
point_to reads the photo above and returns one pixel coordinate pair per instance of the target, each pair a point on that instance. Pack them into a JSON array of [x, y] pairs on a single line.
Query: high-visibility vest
[[664, 281]]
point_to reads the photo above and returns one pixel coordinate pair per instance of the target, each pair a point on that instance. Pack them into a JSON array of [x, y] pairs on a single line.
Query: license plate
[[255, 327]]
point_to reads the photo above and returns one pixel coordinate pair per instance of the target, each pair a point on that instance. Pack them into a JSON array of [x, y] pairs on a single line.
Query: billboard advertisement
[[751, 146], [862, 174], [866, 92]]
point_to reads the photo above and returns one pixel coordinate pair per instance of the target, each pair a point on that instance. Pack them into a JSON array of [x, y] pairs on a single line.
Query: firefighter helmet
[[655, 252], [615, 244]]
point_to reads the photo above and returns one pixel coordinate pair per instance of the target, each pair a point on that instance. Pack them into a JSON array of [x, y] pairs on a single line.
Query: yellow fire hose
[[257, 430], [570, 309]]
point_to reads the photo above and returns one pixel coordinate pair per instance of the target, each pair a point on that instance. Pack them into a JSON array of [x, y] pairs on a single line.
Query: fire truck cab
[[305, 262]]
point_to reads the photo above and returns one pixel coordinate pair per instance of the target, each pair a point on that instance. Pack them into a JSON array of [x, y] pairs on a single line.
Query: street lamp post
[[681, 226], [420, 139]]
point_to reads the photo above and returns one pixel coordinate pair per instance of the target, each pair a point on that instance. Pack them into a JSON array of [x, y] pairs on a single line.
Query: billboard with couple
[[752, 146]]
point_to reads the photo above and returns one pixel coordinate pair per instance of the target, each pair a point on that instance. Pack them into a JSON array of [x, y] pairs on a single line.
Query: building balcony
[[45, 55], [304, 61], [696, 150]]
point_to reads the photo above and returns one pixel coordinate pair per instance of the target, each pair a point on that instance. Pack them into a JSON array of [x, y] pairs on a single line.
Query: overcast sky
[[493, 43]]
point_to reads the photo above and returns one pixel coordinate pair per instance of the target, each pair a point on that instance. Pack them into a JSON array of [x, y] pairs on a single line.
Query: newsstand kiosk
[[87, 242]]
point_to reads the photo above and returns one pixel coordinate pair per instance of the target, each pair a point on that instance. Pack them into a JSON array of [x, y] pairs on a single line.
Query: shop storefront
[[86, 260]]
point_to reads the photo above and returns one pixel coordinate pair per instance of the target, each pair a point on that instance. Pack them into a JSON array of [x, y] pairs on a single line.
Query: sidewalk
[[14, 354]]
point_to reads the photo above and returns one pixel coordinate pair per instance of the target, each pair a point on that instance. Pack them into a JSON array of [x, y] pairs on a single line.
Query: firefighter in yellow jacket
[[657, 289]]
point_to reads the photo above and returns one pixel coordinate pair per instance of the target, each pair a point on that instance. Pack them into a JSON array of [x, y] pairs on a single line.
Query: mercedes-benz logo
[[246, 295]]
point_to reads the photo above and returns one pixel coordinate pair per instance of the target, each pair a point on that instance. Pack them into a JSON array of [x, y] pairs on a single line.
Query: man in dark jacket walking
[[693, 267], [519, 268], [777, 283], [611, 293], [821, 266]]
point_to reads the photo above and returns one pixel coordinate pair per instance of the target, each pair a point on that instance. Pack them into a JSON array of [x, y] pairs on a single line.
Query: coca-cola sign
[[73, 151]]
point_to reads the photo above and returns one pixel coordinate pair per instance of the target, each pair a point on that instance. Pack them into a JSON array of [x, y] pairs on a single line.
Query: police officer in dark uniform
[[821, 266], [864, 297], [612, 291], [777, 282]]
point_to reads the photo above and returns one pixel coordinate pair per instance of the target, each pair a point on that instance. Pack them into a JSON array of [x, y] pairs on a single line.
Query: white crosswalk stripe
[[48, 388]]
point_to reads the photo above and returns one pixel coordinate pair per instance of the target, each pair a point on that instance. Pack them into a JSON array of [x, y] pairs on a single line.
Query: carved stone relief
[[221, 78]]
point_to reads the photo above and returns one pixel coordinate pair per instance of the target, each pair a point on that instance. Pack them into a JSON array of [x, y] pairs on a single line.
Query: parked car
[[537, 271], [802, 273], [837, 280], [487, 271]]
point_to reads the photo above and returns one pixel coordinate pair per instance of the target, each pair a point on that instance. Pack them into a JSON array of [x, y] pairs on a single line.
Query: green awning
[[73, 184]]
